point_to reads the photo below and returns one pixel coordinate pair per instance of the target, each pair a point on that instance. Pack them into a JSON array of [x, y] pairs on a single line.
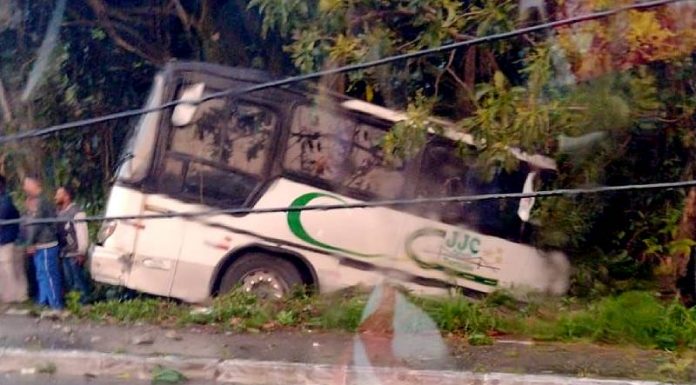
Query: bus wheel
[[263, 275]]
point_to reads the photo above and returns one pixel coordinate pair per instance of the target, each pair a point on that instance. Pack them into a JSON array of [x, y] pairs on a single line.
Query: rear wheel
[[266, 276]]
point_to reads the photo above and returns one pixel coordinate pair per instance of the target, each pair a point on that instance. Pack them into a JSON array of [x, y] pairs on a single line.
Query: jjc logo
[[466, 244]]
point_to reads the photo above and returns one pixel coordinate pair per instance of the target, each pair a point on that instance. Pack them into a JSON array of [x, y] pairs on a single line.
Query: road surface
[[42, 379]]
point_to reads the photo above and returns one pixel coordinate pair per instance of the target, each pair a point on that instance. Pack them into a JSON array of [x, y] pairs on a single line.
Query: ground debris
[[173, 335], [143, 339]]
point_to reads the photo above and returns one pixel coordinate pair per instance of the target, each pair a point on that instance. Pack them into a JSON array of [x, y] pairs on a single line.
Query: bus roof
[[355, 105]]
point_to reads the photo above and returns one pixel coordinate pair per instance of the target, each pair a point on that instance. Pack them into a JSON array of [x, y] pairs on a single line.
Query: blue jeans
[[75, 278], [49, 278]]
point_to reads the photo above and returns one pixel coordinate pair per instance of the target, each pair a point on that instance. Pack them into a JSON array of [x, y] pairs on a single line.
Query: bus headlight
[[106, 230]]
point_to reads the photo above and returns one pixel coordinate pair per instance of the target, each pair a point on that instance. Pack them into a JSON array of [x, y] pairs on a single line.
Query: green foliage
[[284, 14], [459, 315], [72, 303], [286, 317], [408, 136], [129, 311], [163, 376], [236, 310], [664, 240], [506, 93], [339, 314], [632, 318], [512, 93]]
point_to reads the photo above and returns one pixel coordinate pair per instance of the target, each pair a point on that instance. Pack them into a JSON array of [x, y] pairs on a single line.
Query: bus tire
[[267, 276]]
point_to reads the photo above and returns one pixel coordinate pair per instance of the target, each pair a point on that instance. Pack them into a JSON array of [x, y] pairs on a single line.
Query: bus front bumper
[[108, 266]]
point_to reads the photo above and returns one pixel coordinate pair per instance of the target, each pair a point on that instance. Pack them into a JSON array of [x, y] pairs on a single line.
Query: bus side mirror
[[525, 209], [183, 113]]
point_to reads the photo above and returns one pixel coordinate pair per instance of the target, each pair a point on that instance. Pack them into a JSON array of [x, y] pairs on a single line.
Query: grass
[[237, 311], [163, 376], [636, 318]]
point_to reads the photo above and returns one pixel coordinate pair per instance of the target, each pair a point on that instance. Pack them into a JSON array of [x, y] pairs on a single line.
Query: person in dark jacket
[[43, 245], [13, 280]]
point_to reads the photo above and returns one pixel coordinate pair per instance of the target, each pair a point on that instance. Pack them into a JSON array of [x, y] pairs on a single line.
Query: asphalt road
[[41, 379]]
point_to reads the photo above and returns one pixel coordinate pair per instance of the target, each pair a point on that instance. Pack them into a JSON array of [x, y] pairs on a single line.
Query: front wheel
[[266, 276]]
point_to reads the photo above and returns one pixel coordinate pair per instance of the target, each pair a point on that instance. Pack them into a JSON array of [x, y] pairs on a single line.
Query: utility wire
[[339, 70], [365, 205]]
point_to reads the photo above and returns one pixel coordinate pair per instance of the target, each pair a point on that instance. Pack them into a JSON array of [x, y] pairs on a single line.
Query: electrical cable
[[339, 70], [365, 205]]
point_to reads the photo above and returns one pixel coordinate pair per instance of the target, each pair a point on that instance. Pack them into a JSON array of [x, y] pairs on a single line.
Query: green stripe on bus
[[295, 224]]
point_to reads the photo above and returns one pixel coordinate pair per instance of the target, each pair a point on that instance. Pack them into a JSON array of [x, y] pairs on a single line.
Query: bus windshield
[[136, 159]]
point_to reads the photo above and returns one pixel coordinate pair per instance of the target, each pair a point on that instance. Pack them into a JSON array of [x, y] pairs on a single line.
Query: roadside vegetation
[[637, 318], [631, 78]]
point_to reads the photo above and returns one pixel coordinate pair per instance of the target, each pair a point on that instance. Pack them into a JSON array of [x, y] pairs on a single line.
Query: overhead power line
[[367, 205], [339, 70]]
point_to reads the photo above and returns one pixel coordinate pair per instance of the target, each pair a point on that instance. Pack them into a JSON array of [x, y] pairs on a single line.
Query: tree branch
[[460, 82], [102, 14], [185, 18], [446, 69]]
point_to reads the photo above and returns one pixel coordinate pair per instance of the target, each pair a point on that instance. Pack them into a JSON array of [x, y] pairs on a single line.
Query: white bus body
[[176, 167]]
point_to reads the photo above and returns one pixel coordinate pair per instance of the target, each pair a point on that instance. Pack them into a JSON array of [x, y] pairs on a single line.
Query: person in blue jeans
[[74, 251], [43, 245]]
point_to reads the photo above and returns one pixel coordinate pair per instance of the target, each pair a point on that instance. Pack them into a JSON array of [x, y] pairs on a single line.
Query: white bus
[[279, 148]]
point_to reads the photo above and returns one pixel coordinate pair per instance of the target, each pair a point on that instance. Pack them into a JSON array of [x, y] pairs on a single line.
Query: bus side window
[[319, 145], [220, 156], [336, 149], [370, 171]]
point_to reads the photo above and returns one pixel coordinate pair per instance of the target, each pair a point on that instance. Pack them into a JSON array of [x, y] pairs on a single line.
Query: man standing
[[13, 281], [42, 244], [74, 251]]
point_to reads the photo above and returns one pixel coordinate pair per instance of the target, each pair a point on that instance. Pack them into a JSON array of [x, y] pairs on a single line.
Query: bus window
[[219, 158], [370, 171], [319, 144], [342, 152]]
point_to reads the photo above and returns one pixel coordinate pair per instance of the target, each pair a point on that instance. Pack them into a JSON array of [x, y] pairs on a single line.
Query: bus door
[[157, 248], [158, 242]]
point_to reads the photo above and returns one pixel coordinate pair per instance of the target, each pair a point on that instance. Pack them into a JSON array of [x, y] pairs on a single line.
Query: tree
[[103, 59], [629, 76]]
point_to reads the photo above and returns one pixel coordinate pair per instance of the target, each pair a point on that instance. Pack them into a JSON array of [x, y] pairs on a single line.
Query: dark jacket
[[43, 234], [8, 233]]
